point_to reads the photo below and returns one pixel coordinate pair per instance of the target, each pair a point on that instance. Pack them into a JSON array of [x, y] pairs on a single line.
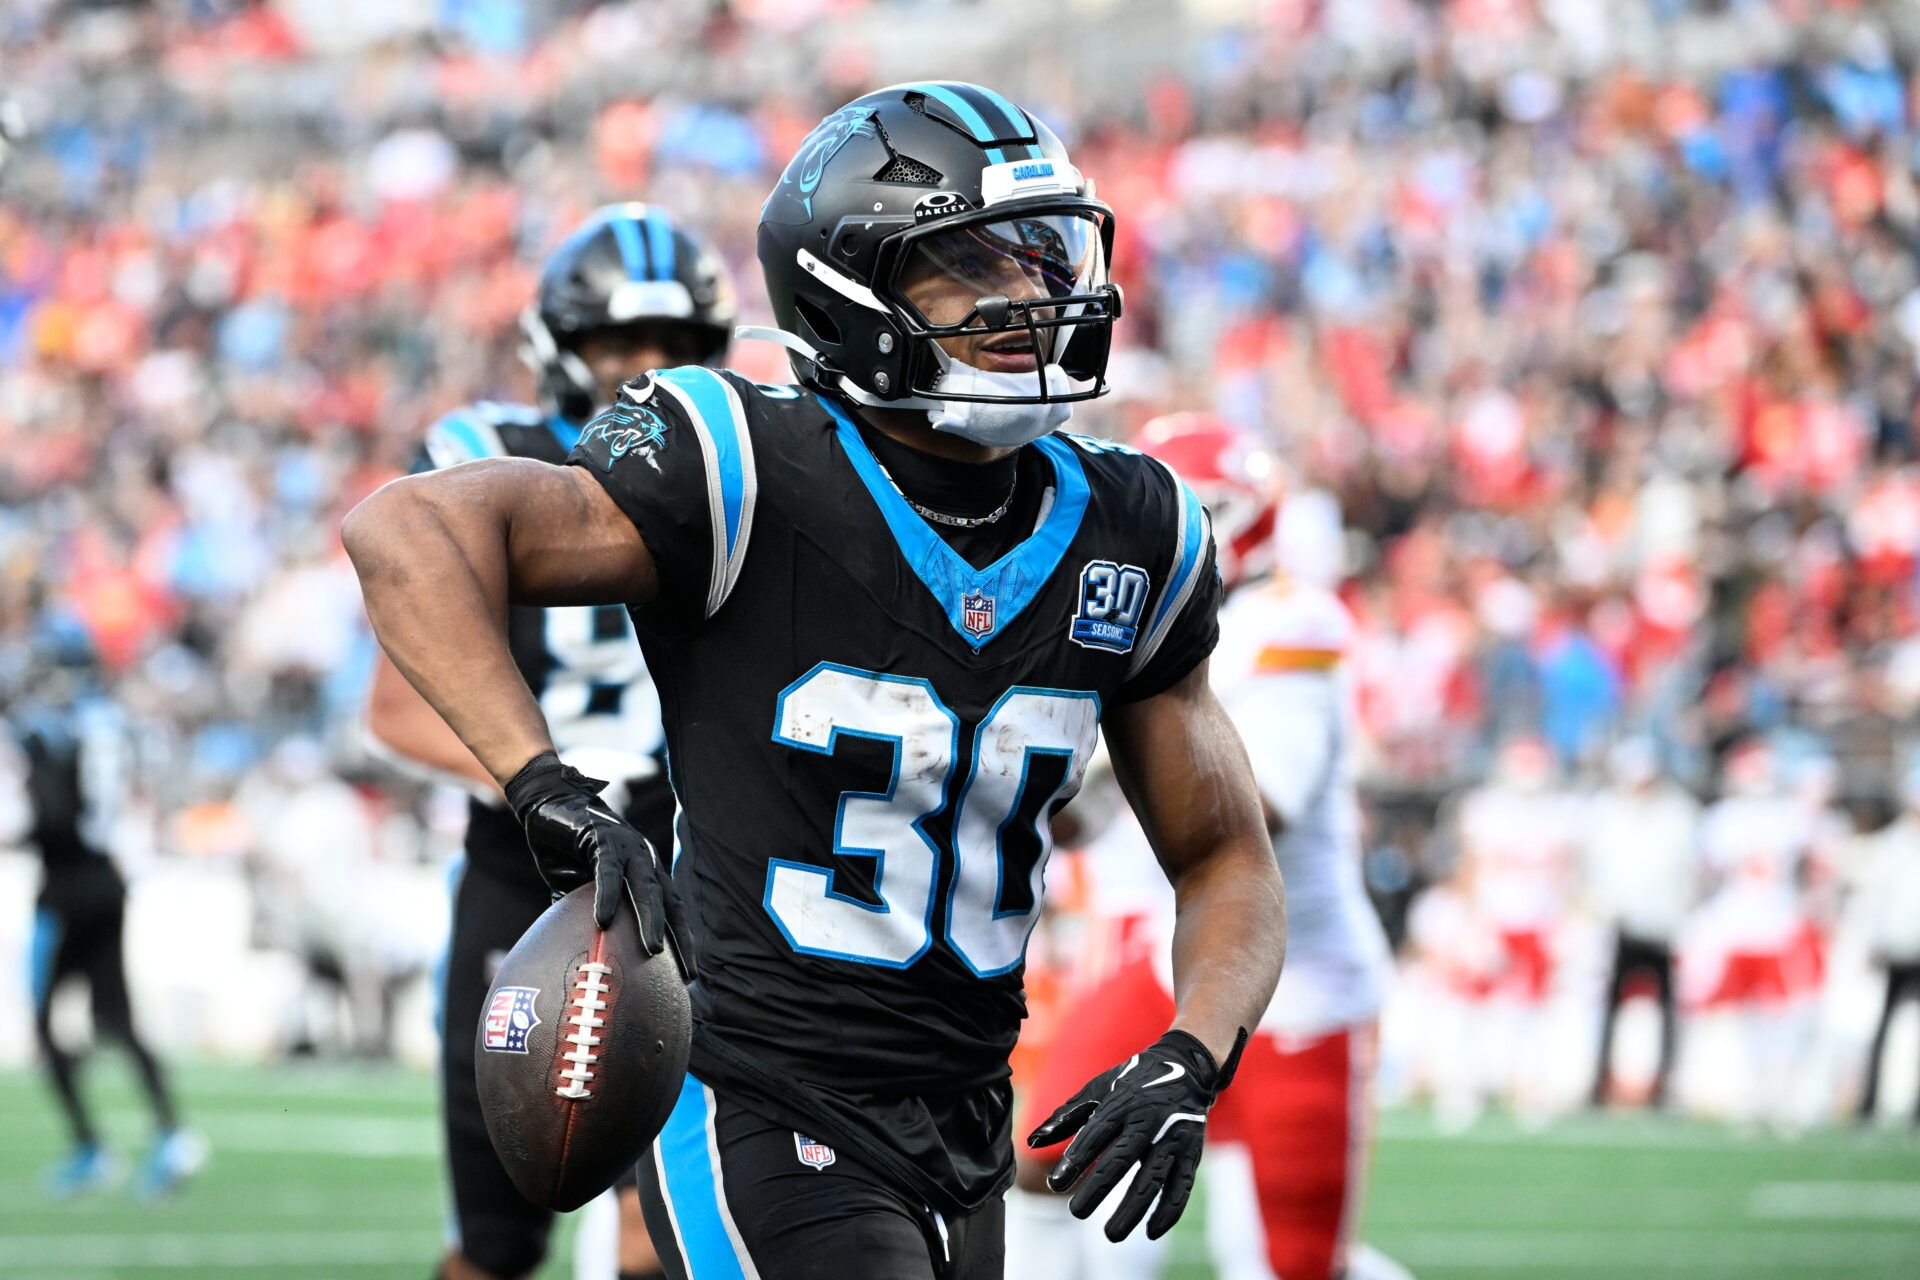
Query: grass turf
[[334, 1172]]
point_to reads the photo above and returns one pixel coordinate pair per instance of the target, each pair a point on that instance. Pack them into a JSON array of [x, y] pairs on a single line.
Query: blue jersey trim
[[626, 233], [968, 116], [714, 420], [45, 945], [1193, 541], [660, 244], [1015, 579], [691, 1186]]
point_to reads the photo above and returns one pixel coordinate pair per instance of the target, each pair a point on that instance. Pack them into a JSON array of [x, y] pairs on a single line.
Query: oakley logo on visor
[[939, 204]]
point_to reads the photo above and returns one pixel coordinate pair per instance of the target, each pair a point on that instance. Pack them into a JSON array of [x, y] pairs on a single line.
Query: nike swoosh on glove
[[1149, 1111], [577, 839]]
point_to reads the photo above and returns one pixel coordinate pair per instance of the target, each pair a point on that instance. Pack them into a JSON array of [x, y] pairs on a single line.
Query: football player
[[73, 748], [631, 289], [889, 610], [1291, 1141]]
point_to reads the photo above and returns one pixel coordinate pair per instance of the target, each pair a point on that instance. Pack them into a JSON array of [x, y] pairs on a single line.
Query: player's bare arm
[[1184, 770], [441, 556]]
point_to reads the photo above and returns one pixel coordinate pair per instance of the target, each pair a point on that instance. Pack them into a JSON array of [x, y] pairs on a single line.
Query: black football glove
[[1151, 1110], [577, 839]]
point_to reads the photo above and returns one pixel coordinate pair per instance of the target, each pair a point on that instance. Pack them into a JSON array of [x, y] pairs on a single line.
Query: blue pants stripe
[[689, 1182], [46, 942]]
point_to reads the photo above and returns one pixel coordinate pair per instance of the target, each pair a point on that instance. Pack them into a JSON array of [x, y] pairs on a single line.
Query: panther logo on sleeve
[[626, 429]]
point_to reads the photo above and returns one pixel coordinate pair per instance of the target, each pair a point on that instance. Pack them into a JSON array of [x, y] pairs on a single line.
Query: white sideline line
[[1690, 1251], [323, 1133], [319, 1134], [74, 1252], [1684, 1135], [1836, 1201]]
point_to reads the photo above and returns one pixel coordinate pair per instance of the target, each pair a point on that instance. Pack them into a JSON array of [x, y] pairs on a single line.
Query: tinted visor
[[946, 275]]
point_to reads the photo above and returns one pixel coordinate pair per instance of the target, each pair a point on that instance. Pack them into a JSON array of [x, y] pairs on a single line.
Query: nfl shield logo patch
[[815, 1155], [976, 613], [510, 1019]]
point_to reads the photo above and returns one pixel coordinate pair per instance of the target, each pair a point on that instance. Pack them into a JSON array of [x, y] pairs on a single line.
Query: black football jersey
[[75, 760], [868, 736], [582, 664]]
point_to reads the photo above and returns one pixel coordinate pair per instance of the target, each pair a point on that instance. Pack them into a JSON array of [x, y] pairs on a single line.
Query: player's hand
[[1151, 1110], [576, 838]]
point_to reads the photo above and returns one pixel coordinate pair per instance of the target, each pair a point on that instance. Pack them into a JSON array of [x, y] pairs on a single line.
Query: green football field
[[332, 1172]]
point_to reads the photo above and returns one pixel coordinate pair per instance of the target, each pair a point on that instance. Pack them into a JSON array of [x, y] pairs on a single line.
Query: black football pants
[[498, 1229], [80, 938], [1902, 980], [731, 1196], [1634, 957]]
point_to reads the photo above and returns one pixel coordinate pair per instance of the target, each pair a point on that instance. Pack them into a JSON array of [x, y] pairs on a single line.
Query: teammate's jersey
[[75, 759], [1279, 673], [868, 733], [582, 664]]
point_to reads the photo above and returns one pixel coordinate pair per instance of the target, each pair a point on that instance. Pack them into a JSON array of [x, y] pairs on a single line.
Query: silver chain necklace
[[955, 522]]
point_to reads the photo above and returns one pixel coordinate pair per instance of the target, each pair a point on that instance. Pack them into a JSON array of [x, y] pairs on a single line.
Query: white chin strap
[[998, 425]]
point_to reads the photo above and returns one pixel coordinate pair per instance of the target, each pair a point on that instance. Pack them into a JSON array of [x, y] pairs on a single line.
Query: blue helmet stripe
[[660, 244], [627, 233], [975, 123], [1022, 127]]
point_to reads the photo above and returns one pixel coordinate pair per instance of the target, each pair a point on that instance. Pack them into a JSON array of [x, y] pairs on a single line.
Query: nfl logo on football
[[976, 613], [510, 1019], [815, 1155]]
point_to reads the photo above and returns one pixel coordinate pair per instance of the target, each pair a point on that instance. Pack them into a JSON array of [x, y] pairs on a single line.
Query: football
[[581, 1051]]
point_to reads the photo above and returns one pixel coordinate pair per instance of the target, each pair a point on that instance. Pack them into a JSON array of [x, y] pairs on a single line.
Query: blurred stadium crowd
[[1600, 317]]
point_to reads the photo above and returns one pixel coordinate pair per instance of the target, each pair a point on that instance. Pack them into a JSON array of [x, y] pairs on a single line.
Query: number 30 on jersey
[[890, 826]]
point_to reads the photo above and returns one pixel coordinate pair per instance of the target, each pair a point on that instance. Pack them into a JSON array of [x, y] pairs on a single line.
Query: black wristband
[[541, 779]]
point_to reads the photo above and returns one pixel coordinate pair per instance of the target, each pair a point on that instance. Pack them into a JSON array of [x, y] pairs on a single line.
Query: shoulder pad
[[715, 406], [1185, 524], [475, 431]]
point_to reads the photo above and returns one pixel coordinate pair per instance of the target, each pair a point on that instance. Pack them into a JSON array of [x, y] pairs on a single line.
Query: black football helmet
[[627, 265], [949, 179]]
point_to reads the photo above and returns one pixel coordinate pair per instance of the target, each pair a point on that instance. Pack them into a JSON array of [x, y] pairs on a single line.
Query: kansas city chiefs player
[[1288, 1148]]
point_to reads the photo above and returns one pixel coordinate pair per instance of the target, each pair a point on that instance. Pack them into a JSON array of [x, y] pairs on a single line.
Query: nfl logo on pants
[[976, 613], [815, 1155]]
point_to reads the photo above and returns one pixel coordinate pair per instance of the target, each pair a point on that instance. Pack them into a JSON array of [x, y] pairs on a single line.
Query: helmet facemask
[[1003, 307]]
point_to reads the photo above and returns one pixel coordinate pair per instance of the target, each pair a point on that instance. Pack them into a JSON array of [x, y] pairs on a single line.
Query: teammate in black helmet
[[890, 610], [631, 289]]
